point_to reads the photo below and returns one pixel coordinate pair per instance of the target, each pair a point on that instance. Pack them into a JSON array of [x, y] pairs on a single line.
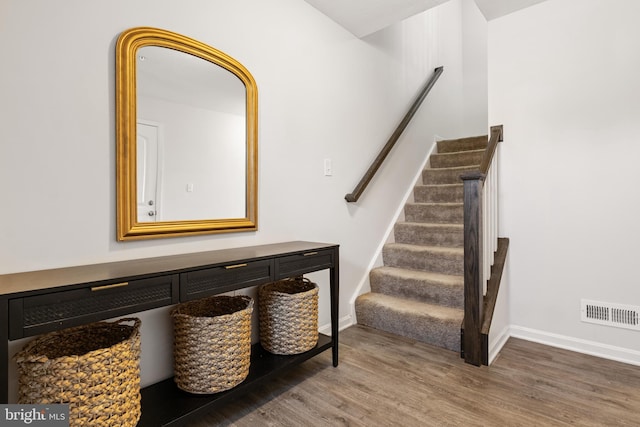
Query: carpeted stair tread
[[458, 158], [419, 292], [429, 323], [446, 175], [438, 193], [425, 286], [429, 234], [445, 260], [439, 213], [461, 144]]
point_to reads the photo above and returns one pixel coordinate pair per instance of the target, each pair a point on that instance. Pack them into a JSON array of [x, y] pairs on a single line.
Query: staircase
[[418, 293]]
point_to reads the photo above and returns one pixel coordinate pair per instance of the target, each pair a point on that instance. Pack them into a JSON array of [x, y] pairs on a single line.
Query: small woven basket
[[212, 343], [288, 312], [95, 368]]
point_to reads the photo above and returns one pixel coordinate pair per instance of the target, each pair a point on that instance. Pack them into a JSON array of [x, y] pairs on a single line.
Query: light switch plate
[[328, 170]]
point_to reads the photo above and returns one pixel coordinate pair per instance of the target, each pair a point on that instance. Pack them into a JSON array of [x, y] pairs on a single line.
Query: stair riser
[[435, 214], [453, 145], [444, 176], [436, 262], [412, 299], [438, 193], [424, 329], [428, 236], [451, 160], [430, 292]]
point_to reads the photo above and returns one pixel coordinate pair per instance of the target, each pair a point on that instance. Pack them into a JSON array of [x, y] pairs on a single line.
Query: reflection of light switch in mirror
[[190, 188]]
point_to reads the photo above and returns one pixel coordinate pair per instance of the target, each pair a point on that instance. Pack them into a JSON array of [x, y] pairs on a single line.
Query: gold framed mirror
[[186, 138]]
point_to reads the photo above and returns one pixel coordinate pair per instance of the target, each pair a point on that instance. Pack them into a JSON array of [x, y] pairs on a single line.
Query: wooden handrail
[[496, 136], [357, 192]]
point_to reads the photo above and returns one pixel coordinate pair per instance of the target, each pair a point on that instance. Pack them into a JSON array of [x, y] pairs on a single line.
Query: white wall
[[563, 79], [322, 94], [474, 65]]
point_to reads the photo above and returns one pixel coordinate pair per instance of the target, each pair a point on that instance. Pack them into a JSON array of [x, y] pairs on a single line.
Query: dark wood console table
[[37, 302]]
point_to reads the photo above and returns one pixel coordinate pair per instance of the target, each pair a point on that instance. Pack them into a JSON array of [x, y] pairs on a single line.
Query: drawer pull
[[310, 253], [105, 287], [229, 267]]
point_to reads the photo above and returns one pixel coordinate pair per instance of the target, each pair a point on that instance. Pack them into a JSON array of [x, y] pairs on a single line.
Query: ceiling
[[492, 9], [364, 17]]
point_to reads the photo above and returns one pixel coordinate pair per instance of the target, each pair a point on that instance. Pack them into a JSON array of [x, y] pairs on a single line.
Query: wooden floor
[[384, 380]]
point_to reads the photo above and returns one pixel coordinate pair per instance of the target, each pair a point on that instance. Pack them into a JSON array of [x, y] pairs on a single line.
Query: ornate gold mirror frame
[[128, 226]]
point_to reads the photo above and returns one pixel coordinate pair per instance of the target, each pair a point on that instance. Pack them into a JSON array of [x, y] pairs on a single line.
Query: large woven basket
[[288, 312], [212, 343], [94, 368]]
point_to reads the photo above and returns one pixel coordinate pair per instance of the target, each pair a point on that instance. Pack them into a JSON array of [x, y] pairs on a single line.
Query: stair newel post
[[473, 266]]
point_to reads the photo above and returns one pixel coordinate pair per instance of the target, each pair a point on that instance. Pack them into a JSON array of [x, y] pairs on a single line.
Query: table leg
[[335, 297], [4, 351]]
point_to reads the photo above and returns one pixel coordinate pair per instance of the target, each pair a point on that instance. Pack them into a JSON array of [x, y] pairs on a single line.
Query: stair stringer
[[388, 237]]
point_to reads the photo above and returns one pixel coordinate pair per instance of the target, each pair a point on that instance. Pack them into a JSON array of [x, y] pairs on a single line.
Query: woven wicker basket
[[94, 368], [212, 343], [288, 311]]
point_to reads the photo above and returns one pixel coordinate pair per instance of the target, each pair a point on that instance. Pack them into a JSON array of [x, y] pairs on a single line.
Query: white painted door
[[147, 175]]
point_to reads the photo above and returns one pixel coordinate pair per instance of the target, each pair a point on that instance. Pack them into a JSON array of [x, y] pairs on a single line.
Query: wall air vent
[[605, 313]]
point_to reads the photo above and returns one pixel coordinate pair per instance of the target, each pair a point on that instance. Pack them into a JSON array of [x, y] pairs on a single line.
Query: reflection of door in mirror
[[202, 108], [147, 172]]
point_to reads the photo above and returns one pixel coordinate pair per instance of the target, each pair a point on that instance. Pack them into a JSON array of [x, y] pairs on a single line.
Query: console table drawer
[[44, 313], [295, 265], [216, 280]]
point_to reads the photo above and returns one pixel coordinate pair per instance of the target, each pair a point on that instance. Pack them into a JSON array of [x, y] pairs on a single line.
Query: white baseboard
[[498, 343], [343, 323], [605, 351], [363, 284]]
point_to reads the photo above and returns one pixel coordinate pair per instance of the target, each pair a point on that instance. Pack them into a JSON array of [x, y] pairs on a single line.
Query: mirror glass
[[191, 150], [187, 142]]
